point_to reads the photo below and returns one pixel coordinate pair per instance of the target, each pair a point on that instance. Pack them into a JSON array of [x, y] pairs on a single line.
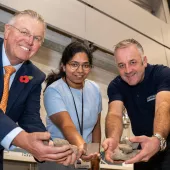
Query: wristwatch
[[162, 141]]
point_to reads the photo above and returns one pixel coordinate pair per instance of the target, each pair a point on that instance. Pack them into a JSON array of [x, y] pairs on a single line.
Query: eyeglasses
[[26, 33], [76, 65]]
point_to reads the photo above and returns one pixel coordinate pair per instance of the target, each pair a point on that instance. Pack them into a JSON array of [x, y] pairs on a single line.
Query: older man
[[20, 88], [144, 90]]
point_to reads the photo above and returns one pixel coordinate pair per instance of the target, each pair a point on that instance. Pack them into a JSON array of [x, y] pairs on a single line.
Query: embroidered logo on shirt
[[150, 98]]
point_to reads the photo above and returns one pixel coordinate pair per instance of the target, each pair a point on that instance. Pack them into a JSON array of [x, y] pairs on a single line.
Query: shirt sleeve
[[162, 79], [100, 102], [53, 101], [113, 92], [7, 140]]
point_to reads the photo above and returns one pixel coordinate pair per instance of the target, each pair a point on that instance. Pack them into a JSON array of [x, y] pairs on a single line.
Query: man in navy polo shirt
[[144, 90]]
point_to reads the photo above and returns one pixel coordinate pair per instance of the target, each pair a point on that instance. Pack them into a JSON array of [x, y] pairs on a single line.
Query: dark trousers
[[160, 161]]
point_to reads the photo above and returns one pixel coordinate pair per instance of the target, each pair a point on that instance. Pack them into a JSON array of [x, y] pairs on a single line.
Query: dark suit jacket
[[23, 103]]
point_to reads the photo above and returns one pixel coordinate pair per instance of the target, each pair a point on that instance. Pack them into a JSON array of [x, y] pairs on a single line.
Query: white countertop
[[105, 165], [18, 155], [116, 167]]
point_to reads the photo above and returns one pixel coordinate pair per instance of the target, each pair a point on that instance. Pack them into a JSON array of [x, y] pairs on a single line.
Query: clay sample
[[60, 142], [125, 150]]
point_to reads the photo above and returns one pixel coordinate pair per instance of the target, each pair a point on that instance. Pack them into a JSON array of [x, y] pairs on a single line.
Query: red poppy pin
[[25, 79]]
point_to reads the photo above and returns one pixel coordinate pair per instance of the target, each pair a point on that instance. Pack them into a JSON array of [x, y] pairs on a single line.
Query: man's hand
[[71, 159], [109, 145], [150, 146], [33, 143]]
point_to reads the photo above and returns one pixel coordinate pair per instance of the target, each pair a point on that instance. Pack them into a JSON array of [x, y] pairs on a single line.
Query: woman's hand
[[82, 153]]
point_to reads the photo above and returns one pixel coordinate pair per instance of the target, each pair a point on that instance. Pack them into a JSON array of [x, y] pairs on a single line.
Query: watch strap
[[162, 141]]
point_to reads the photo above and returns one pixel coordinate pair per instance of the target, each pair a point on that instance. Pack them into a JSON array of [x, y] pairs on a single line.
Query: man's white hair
[[28, 12], [128, 42]]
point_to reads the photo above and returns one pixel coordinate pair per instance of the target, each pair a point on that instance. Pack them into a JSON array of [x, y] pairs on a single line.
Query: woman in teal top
[[73, 103]]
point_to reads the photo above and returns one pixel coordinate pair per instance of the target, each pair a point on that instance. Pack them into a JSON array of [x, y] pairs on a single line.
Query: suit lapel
[[1, 71], [17, 86]]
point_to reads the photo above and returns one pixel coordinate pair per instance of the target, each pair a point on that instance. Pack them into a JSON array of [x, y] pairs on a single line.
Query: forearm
[[162, 119], [96, 135], [114, 126], [72, 135]]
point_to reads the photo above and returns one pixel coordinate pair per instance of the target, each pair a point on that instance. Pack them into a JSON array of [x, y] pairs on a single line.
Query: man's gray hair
[[30, 13], [128, 42]]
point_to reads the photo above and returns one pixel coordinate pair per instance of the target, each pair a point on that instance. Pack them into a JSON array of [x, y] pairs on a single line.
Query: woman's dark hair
[[68, 53]]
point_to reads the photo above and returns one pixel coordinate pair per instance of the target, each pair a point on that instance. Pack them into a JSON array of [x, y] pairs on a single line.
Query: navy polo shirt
[[139, 100]]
